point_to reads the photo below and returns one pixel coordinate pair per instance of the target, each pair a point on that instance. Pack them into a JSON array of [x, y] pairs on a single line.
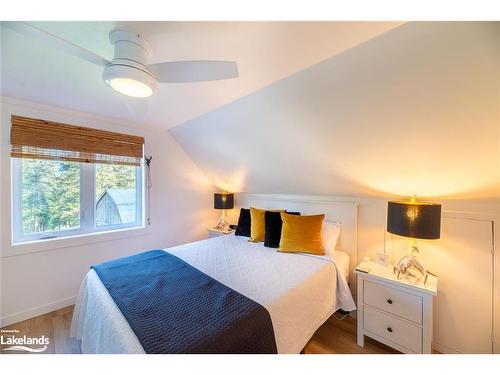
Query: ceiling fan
[[128, 71]]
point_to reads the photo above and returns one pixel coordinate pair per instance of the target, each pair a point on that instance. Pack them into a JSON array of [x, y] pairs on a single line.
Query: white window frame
[[87, 207]]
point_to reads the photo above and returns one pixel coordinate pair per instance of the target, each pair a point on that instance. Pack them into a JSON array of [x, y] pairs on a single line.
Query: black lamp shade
[[223, 201], [414, 220]]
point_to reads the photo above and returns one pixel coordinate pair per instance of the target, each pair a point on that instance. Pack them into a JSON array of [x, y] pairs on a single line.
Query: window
[[50, 198], [68, 192], [116, 195], [58, 198]]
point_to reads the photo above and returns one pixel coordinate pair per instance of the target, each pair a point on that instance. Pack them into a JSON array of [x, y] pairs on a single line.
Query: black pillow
[[244, 223], [273, 224]]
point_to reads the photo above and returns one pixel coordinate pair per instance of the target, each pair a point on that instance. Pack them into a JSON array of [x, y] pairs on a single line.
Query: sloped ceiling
[[412, 111], [265, 52]]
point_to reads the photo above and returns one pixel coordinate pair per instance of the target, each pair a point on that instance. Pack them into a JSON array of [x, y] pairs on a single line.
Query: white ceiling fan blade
[[194, 71], [57, 42]]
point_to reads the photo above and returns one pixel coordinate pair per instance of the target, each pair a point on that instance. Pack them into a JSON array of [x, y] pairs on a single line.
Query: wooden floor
[[339, 337], [54, 325], [333, 337]]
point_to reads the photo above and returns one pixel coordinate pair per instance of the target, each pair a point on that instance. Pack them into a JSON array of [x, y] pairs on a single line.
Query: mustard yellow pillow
[[301, 234], [258, 224]]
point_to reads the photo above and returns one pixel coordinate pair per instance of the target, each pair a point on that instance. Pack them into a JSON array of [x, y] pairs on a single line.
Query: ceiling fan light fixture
[[129, 81], [131, 87]]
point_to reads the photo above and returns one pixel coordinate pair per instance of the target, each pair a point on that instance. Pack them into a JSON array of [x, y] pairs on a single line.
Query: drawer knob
[[389, 329], [389, 301]]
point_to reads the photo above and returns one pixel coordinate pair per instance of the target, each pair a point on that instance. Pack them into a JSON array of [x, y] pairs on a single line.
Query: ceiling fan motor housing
[[130, 46]]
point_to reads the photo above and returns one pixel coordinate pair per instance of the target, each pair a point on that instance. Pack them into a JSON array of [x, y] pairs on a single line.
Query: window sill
[[72, 241]]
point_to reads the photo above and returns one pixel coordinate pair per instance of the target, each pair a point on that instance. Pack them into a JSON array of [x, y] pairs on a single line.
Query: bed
[[300, 291]]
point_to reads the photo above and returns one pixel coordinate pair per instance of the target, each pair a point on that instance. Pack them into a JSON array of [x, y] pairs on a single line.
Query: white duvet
[[300, 291]]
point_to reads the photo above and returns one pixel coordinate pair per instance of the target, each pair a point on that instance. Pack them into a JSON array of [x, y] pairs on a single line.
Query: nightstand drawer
[[405, 305], [393, 329]]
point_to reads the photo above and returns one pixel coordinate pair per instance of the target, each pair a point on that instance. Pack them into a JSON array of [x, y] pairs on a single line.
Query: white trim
[[87, 197], [72, 241], [36, 311], [28, 243], [443, 349], [494, 218], [470, 215]]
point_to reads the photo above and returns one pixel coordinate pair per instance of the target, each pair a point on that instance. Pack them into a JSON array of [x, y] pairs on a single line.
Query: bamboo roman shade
[[40, 139]]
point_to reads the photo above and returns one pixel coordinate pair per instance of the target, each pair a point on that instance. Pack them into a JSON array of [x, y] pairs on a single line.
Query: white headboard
[[343, 212]]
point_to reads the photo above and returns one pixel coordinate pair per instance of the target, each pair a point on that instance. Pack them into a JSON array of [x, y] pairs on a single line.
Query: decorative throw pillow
[[301, 234], [272, 226], [257, 229], [244, 223]]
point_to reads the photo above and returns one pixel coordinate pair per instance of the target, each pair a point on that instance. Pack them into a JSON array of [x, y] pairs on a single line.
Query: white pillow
[[330, 235]]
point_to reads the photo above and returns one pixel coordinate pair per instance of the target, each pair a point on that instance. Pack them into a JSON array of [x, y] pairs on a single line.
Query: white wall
[[372, 219], [181, 210], [415, 110], [412, 111]]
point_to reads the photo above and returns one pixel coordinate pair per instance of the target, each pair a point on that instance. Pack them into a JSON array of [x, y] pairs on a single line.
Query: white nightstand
[[212, 232], [394, 312]]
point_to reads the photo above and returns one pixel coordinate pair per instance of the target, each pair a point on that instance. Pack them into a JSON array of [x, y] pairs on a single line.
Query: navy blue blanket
[[173, 307]]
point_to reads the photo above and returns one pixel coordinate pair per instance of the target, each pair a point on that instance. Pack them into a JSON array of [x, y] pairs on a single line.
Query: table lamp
[[415, 220], [223, 201]]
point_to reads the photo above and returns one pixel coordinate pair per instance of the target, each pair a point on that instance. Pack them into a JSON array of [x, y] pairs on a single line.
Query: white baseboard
[[40, 310], [443, 349]]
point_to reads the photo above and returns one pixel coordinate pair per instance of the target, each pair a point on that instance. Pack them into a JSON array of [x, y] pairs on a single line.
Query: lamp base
[[408, 263], [222, 224]]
